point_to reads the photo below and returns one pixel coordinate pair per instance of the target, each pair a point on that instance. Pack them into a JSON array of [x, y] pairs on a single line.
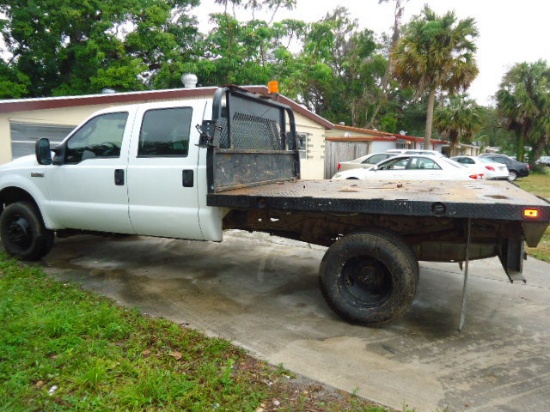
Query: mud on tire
[[369, 278]]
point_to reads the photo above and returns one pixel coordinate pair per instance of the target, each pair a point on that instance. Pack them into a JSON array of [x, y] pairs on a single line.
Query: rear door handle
[[119, 177], [187, 178]]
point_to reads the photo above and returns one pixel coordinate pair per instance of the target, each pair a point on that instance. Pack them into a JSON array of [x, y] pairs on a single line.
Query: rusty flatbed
[[479, 199]]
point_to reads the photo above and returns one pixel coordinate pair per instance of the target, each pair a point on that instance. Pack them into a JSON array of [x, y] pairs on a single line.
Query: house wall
[[382, 146], [313, 160]]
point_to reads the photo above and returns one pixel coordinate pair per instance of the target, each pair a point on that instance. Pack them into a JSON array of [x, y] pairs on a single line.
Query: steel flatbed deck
[[479, 199]]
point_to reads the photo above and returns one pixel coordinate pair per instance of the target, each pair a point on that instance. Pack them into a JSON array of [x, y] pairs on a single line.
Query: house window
[[303, 144], [402, 145]]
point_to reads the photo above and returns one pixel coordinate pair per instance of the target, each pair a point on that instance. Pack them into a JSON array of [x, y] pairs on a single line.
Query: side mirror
[[43, 151]]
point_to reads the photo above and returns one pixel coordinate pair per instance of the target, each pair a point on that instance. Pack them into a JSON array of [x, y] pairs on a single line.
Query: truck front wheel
[[369, 278], [23, 232]]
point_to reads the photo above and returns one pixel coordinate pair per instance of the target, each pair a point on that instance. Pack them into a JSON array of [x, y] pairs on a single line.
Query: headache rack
[[251, 140]]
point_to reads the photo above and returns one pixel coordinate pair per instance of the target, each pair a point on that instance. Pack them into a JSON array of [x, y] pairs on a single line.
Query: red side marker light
[[531, 213]]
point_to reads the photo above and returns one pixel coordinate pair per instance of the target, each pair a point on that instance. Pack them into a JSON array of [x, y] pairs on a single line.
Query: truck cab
[[128, 169]]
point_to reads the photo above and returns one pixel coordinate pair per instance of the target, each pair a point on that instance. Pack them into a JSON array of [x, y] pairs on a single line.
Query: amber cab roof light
[[273, 87]]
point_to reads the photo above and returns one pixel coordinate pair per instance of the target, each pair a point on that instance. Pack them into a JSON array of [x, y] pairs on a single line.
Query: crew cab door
[[163, 171], [87, 183]]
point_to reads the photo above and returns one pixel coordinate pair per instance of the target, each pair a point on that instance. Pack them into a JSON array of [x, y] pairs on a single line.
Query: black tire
[[23, 232], [369, 278], [512, 175]]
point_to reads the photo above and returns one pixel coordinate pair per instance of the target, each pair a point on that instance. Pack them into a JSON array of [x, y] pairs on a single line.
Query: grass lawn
[[65, 349], [539, 184]]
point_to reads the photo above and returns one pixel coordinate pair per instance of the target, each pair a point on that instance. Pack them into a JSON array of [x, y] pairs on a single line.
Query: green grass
[[539, 184], [65, 349]]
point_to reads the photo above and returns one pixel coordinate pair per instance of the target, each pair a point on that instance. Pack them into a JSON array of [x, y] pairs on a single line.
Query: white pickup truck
[[190, 169]]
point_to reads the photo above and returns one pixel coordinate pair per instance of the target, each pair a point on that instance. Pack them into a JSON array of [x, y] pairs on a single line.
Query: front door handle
[[119, 177]]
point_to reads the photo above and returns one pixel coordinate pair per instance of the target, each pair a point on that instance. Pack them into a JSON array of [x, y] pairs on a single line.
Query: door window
[[165, 132], [100, 137], [422, 163]]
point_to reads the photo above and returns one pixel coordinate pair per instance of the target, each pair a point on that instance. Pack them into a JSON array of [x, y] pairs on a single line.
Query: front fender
[[24, 183]]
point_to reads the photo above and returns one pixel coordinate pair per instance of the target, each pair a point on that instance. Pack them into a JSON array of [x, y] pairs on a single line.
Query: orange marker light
[[531, 213], [273, 87]]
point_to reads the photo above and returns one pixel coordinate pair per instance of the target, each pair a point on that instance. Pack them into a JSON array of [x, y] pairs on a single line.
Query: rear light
[[531, 213], [477, 176], [491, 168], [339, 166]]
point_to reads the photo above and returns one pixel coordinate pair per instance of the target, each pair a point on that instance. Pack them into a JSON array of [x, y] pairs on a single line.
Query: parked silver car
[[364, 162]]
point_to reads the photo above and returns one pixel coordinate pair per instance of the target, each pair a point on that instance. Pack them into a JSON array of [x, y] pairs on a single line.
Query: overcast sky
[[509, 31]]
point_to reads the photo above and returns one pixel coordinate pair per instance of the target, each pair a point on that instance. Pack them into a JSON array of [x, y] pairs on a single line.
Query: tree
[[251, 52], [66, 47], [458, 120], [523, 103], [436, 55], [13, 83], [337, 74], [396, 34], [272, 6]]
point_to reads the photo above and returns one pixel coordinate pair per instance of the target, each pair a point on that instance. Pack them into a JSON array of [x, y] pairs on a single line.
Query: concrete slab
[[262, 293]]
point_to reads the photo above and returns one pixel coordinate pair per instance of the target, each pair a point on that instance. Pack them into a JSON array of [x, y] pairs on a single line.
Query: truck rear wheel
[[369, 278], [23, 232]]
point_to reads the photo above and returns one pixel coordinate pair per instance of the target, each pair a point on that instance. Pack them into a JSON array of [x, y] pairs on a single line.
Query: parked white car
[[543, 160], [493, 170], [412, 167], [364, 162]]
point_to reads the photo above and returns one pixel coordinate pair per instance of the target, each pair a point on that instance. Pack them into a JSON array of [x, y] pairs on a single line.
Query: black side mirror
[[43, 151]]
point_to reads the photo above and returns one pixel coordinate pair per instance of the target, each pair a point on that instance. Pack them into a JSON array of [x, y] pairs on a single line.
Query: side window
[[395, 164], [100, 137], [375, 159], [430, 164], [165, 132], [423, 163]]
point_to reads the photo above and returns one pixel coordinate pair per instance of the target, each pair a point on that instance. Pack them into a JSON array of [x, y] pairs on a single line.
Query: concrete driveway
[[261, 292]]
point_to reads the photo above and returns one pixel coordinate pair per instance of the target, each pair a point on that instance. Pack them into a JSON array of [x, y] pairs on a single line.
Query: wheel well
[[14, 194]]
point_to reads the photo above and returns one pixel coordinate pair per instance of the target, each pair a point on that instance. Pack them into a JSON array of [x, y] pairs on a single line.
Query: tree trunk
[[429, 120]]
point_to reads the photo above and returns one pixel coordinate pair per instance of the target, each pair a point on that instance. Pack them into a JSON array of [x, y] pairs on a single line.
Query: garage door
[[24, 135]]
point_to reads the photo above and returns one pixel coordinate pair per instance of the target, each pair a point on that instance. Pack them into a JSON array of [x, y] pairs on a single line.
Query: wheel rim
[[365, 281], [20, 232]]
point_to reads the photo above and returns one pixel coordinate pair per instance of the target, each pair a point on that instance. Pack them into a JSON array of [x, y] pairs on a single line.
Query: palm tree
[[459, 119], [523, 103], [436, 54]]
